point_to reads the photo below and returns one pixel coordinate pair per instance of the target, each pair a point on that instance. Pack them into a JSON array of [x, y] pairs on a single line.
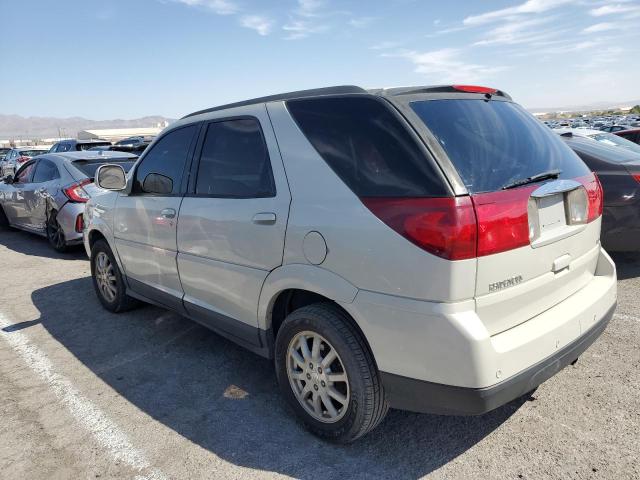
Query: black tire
[[4, 221], [55, 234], [121, 301], [367, 405]]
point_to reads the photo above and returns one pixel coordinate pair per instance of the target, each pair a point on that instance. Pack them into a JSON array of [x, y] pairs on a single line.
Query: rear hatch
[[537, 205]]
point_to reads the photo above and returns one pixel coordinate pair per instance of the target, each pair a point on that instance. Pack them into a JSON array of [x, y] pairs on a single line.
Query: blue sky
[[124, 59]]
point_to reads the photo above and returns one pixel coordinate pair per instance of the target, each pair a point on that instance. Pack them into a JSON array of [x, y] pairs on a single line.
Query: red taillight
[[76, 193], [637, 177], [594, 193], [79, 223], [23, 158], [445, 227], [503, 219], [475, 89]]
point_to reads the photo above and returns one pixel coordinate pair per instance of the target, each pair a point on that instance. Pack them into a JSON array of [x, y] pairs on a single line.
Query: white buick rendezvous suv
[[433, 249]]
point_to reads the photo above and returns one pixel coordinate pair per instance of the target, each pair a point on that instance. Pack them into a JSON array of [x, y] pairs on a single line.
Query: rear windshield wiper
[[533, 179]]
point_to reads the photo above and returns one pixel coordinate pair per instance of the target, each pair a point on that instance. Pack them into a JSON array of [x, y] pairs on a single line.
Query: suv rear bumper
[[426, 397], [441, 358]]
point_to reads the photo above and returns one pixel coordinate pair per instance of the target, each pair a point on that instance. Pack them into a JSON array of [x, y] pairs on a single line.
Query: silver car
[[16, 157], [433, 249], [48, 194]]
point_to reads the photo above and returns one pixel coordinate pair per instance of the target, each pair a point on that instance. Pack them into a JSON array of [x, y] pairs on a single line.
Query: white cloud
[[259, 23], [446, 66], [601, 27], [385, 45], [517, 31], [361, 22], [530, 6], [221, 7], [308, 18], [612, 9]]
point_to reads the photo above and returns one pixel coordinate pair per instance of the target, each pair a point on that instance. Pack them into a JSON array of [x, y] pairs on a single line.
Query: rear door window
[[234, 161], [494, 143], [46, 171], [367, 147]]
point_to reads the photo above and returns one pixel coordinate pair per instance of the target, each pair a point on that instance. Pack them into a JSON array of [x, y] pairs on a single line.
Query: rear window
[[494, 143], [87, 146], [89, 167], [367, 147], [32, 153], [616, 141], [585, 146]]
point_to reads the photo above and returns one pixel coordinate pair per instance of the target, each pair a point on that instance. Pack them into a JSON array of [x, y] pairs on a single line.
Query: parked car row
[[433, 249], [15, 157], [48, 193]]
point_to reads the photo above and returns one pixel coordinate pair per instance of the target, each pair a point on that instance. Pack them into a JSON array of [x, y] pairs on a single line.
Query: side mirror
[[111, 177], [158, 184]]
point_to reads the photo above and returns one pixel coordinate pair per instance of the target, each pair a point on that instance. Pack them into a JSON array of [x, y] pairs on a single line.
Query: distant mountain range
[[588, 107], [16, 126]]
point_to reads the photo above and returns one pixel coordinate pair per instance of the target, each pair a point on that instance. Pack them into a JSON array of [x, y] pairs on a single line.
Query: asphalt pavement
[[149, 394]]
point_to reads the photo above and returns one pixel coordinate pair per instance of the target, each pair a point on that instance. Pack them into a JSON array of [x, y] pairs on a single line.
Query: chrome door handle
[[264, 218], [168, 213]]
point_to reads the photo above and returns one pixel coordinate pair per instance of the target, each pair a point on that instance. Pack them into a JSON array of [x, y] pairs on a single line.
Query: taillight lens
[[503, 220], [475, 89], [23, 159], [445, 227], [76, 193], [637, 177], [577, 206], [79, 223], [594, 194]]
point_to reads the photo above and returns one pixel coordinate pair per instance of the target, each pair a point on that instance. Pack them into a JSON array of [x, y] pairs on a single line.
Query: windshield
[[495, 143], [89, 167], [614, 140]]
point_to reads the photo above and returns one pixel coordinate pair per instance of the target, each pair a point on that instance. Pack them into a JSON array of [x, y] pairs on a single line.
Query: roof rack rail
[[315, 92]]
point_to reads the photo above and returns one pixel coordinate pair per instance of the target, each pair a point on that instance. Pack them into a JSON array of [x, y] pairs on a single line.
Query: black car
[[73, 145], [618, 170]]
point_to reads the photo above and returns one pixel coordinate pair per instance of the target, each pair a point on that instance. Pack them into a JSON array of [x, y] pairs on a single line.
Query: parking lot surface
[[149, 394]]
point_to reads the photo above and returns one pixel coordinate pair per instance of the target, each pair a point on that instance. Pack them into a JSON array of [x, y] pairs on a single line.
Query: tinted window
[[87, 146], [494, 143], [63, 147], [234, 161], [367, 147], [167, 158], [46, 171], [615, 141], [599, 150], [32, 153], [89, 167], [24, 174]]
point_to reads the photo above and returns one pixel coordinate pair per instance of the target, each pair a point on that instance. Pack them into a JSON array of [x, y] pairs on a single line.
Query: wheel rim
[[317, 377], [56, 235], [105, 277]]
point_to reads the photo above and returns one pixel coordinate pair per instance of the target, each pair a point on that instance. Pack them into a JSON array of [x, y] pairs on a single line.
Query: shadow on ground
[[31, 244], [177, 372], [628, 265]]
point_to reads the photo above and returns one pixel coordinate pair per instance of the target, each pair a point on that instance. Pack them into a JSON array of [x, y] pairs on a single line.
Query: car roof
[[338, 90], [90, 155]]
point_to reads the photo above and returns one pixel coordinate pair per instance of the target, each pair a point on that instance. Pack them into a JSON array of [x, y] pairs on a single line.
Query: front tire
[[4, 221], [108, 281], [327, 373]]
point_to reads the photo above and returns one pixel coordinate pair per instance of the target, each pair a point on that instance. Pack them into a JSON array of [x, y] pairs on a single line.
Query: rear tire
[[108, 281], [333, 386], [55, 233]]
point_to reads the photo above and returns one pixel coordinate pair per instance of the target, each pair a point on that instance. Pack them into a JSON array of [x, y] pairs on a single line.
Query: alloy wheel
[[55, 233], [318, 377], [105, 277]]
